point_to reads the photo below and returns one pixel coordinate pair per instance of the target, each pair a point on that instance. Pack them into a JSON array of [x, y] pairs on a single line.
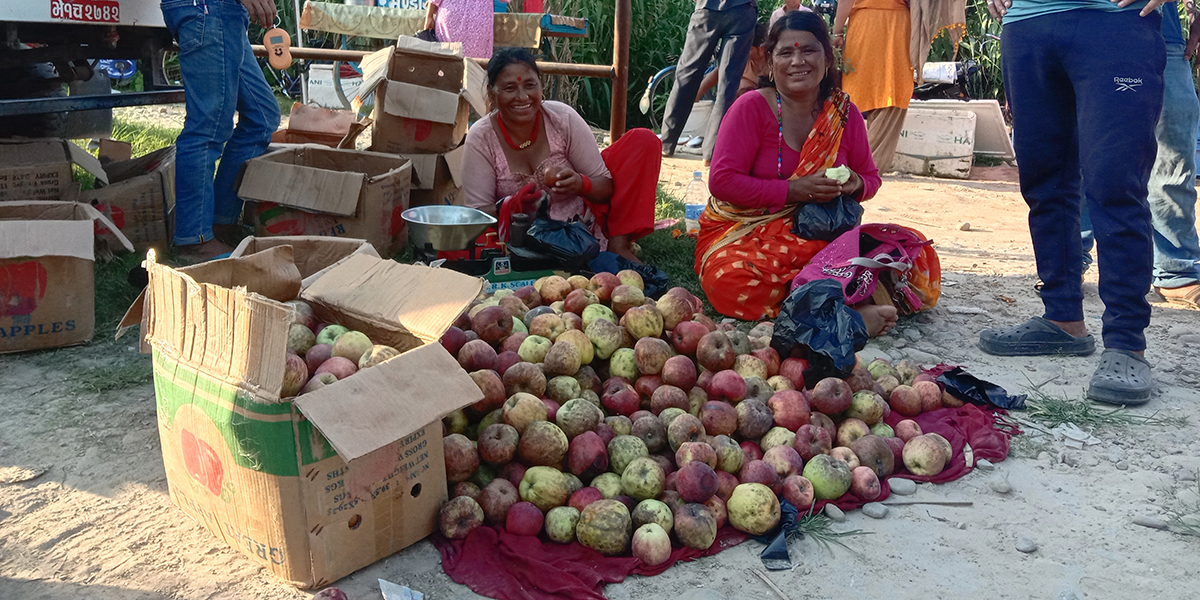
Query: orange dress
[[879, 72]]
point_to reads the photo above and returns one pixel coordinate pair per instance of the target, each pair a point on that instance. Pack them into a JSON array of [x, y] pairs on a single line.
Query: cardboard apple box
[[47, 273], [41, 169], [314, 487]]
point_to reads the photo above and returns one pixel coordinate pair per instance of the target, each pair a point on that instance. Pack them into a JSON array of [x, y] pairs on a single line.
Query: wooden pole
[[622, 22]]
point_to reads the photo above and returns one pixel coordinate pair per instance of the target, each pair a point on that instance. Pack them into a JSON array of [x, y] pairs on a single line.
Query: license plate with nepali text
[[97, 11]]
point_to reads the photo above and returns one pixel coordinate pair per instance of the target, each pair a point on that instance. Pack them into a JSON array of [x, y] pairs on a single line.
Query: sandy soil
[[98, 523]]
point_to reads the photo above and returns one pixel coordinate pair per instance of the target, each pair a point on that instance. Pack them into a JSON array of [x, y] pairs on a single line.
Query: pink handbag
[[898, 257]]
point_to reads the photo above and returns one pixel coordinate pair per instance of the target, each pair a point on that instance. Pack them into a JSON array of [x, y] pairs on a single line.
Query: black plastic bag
[[815, 321], [825, 221], [655, 279], [569, 242], [775, 557], [969, 388]]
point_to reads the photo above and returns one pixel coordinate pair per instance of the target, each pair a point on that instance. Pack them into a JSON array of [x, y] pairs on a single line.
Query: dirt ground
[[98, 523]]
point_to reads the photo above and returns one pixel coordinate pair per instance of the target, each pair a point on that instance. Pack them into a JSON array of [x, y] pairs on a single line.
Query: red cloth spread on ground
[[500, 565]]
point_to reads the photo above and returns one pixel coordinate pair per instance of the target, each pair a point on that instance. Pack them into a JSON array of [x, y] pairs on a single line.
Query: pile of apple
[[319, 354], [617, 420]]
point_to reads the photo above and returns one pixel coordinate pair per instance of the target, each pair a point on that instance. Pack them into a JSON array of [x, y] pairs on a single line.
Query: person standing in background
[[220, 76], [1084, 81], [713, 21], [1172, 186], [874, 36], [788, 6], [469, 22]]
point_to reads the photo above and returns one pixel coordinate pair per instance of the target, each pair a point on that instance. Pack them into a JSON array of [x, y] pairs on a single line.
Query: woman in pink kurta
[[529, 141], [770, 159], [471, 22]]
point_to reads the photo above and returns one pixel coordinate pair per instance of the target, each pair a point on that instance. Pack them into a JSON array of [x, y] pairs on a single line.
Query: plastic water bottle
[[694, 201]]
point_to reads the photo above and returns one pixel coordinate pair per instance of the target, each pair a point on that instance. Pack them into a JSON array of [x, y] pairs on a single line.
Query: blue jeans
[[220, 76], [1172, 189], [1086, 87]]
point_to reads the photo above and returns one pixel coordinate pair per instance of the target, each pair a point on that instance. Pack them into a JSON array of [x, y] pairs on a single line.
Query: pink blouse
[[745, 163], [487, 178]]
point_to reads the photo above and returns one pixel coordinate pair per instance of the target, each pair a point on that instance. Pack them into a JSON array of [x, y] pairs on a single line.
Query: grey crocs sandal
[[1122, 378], [1034, 337]]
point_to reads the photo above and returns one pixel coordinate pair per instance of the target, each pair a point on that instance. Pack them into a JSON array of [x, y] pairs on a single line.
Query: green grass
[[1053, 411]]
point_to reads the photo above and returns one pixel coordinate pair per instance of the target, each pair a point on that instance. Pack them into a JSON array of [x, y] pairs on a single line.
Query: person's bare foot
[[879, 319], [622, 246], [204, 251], [1075, 328]]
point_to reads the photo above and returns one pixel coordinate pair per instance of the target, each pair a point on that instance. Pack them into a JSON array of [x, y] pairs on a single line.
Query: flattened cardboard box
[[437, 178], [140, 198], [47, 255], [316, 487], [313, 190], [41, 169], [315, 125]]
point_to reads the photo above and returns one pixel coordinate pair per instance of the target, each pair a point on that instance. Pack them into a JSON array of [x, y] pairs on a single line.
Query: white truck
[[51, 46]]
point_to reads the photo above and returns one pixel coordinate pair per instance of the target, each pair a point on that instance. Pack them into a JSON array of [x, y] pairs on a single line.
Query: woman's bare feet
[[204, 251], [879, 319], [622, 246]]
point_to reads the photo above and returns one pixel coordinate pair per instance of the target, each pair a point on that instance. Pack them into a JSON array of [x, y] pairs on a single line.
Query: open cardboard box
[[47, 273], [314, 190], [424, 94], [40, 169], [437, 178], [315, 487], [140, 195], [312, 254], [316, 125]]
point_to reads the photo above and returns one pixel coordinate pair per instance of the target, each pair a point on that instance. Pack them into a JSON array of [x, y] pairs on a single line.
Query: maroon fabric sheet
[[497, 564]]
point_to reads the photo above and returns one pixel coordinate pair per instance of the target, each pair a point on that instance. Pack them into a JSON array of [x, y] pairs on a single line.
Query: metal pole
[[300, 44], [549, 68], [622, 21]]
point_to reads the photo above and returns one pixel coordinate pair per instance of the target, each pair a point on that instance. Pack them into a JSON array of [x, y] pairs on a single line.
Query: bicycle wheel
[[658, 90]]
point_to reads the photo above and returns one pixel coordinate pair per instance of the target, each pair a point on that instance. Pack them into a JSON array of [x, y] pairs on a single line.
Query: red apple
[[715, 352], [696, 482], [789, 409], [476, 355], [686, 337], [727, 385], [524, 519], [752, 451], [680, 372], [812, 440], [770, 358], [793, 369], [831, 396], [453, 340]]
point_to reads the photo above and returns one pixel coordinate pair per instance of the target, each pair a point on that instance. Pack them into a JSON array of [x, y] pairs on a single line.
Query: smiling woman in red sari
[[769, 160]]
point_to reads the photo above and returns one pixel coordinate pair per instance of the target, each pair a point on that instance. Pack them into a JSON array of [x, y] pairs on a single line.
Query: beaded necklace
[[536, 123]]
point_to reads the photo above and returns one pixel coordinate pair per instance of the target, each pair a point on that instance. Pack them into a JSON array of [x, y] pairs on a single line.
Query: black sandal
[[1034, 337], [1123, 378]]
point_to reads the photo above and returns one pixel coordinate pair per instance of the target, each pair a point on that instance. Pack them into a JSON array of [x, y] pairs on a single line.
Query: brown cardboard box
[[424, 95], [315, 487], [437, 178], [313, 190], [140, 198], [313, 254], [315, 125], [41, 169], [47, 295]]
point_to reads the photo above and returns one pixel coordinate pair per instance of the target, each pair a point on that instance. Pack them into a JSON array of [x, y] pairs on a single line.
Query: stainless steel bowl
[[446, 228]]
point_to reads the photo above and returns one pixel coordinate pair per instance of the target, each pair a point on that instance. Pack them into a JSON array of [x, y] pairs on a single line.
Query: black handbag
[[825, 221], [427, 35]]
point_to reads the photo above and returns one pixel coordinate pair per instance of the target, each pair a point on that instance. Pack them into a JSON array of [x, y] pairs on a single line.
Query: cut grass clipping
[[820, 528], [1057, 410]]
